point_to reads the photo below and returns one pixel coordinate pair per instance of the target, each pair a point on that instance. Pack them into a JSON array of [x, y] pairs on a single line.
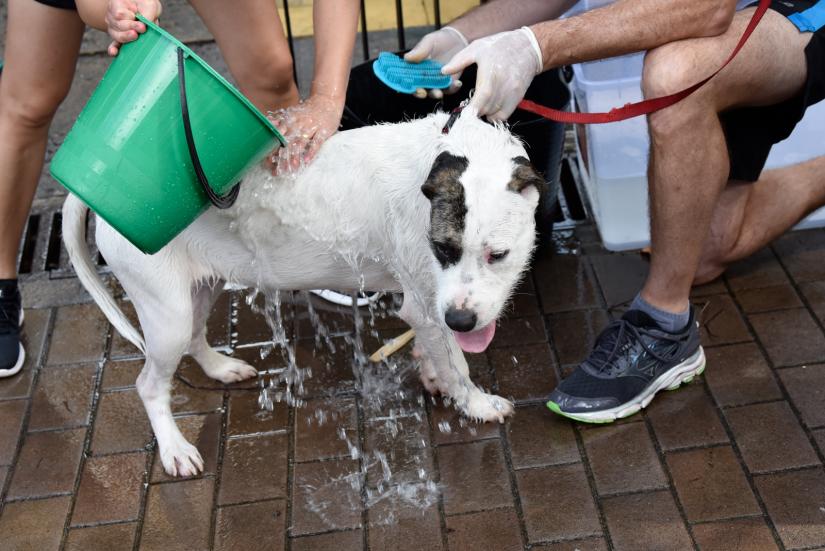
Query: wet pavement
[[731, 461]]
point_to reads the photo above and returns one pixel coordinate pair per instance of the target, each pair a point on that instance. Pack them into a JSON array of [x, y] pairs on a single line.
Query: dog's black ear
[[525, 177], [446, 170]]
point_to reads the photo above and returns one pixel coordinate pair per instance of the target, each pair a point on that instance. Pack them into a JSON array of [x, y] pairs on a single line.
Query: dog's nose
[[460, 320]]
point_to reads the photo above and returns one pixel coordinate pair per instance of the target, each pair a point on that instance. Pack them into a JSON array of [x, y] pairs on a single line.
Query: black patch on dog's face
[[524, 175], [448, 208]]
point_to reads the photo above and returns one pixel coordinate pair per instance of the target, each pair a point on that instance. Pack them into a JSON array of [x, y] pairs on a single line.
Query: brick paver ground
[[732, 461]]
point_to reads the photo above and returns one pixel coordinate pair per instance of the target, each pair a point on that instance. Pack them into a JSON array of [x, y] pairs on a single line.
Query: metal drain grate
[[572, 211], [42, 253]]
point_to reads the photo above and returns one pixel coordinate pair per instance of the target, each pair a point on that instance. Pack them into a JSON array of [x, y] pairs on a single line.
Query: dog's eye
[[498, 256], [446, 253], [442, 249]]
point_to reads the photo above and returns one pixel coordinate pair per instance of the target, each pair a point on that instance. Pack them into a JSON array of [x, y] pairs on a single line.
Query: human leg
[[655, 346], [251, 39], [689, 164], [756, 207], [42, 43], [41, 51], [749, 215]]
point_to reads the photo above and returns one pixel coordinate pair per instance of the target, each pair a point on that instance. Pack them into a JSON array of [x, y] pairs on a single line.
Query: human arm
[[507, 62], [506, 15], [488, 18], [628, 26], [308, 125]]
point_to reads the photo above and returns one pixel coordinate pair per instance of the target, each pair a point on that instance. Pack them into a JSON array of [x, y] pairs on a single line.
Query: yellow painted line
[[381, 14]]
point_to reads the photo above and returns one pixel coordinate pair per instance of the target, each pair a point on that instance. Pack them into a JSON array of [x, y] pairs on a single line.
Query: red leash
[[645, 107]]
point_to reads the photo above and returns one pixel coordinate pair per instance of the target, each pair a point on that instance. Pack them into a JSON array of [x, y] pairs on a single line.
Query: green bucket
[[162, 138]]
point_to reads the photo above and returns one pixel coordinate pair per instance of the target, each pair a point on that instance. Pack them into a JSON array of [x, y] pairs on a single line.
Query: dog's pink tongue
[[476, 341]]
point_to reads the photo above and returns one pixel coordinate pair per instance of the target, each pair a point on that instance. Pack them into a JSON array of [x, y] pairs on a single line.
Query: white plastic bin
[[613, 157]]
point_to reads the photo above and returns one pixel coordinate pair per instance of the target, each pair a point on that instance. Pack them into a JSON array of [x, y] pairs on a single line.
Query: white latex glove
[[441, 46], [507, 63]]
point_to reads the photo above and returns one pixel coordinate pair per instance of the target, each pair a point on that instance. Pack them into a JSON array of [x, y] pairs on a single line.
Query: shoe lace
[[618, 338]]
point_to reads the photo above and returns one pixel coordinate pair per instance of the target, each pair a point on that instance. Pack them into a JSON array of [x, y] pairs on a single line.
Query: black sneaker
[[632, 360], [12, 354]]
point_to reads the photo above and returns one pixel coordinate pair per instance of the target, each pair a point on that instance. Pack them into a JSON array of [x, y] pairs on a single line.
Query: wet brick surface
[[732, 461]]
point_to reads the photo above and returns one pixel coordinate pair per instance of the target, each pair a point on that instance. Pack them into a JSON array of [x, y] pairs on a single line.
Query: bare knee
[[668, 70], [32, 109], [268, 74]]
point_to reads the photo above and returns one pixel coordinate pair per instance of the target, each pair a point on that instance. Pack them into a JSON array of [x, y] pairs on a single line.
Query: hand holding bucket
[[122, 23], [162, 137]]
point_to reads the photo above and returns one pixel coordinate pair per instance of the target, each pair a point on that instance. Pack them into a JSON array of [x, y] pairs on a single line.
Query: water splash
[[285, 384], [393, 461]]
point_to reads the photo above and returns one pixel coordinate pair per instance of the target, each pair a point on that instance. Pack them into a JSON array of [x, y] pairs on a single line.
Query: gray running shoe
[[632, 360]]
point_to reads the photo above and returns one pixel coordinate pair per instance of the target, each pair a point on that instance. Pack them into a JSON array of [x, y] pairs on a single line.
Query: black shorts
[[62, 4], [751, 132]]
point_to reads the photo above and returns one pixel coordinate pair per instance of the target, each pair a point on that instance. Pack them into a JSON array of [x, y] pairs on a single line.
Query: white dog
[[446, 217]]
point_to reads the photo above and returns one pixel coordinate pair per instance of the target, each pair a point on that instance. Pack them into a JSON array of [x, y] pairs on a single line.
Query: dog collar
[[454, 114]]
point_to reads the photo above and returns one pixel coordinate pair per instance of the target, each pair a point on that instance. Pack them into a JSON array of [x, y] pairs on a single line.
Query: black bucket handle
[[222, 202]]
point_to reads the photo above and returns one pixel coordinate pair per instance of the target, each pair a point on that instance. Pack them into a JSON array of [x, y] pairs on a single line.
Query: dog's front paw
[[429, 376], [488, 407], [430, 385], [228, 370], [180, 458]]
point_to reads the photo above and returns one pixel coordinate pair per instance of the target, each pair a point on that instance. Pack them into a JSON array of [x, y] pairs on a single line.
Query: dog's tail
[[74, 236]]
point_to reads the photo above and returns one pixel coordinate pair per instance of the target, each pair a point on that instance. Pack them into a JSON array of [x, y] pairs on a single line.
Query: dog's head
[[483, 194]]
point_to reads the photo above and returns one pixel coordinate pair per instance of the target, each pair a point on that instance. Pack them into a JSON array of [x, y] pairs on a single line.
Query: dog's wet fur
[[446, 219], [448, 207], [525, 175]]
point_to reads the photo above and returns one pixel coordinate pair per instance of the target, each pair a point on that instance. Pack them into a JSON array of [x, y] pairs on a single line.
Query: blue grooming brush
[[406, 77]]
